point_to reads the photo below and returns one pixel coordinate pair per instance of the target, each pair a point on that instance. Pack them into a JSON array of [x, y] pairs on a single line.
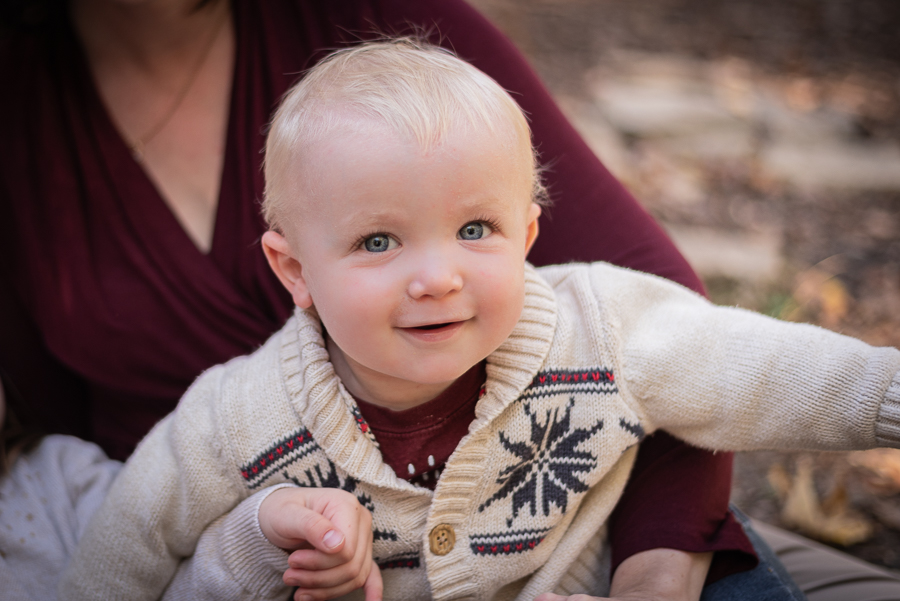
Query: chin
[[429, 377]]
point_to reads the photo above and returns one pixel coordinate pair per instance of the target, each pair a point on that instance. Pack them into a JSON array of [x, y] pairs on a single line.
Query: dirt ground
[[836, 247]]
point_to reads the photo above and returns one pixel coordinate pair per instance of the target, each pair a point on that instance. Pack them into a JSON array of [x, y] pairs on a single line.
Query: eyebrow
[[372, 219], [382, 216]]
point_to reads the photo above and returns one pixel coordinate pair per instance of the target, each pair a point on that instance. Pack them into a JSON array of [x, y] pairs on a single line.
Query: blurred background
[[765, 136]]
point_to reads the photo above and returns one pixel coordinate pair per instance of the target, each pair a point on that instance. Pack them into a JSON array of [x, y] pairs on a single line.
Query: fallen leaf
[[803, 511], [834, 300], [779, 480], [882, 466], [820, 292], [837, 501]]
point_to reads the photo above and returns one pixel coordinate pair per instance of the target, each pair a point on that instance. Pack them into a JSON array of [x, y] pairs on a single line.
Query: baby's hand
[[330, 535], [554, 597]]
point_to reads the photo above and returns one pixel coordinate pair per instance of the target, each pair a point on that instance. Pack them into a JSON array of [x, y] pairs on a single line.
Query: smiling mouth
[[435, 332], [434, 326]]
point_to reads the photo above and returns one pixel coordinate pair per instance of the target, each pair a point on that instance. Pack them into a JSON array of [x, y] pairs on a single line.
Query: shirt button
[[442, 539]]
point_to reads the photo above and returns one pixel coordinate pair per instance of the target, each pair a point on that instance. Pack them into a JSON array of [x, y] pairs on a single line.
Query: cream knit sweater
[[600, 357]]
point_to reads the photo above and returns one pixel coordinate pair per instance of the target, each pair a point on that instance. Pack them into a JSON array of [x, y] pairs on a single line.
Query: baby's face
[[413, 259]]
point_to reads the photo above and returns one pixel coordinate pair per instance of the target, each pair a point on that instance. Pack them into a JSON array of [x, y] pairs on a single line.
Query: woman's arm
[[52, 398], [655, 575], [669, 484]]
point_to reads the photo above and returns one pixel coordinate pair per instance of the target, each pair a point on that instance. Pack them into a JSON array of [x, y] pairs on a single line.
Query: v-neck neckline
[[121, 159]]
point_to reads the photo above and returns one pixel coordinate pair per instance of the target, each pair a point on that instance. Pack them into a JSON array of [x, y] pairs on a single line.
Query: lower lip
[[436, 334]]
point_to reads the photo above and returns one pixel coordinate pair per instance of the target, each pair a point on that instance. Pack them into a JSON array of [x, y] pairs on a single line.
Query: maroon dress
[[108, 311]]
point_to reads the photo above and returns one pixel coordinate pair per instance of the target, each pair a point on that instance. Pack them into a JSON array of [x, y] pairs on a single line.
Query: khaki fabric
[[824, 574]]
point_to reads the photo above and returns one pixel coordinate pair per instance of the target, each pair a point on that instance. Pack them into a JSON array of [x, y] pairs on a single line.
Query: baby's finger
[[316, 529], [357, 570], [351, 558], [316, 586], [303, 573], [313, 560], [350, 518], [374, 587], [287, 521]]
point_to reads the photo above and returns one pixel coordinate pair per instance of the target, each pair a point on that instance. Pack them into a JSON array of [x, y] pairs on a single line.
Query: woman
[[129, 224]]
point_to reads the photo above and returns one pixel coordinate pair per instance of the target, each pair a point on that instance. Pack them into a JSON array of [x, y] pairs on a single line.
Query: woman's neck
[[163, 69], [155, 36]]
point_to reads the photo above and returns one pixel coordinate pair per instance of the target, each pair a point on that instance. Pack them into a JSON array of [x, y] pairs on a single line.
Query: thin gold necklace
[[139, 144]]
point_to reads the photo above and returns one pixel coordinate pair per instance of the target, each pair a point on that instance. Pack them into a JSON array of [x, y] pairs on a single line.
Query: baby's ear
[[287, 268], [534, 211]]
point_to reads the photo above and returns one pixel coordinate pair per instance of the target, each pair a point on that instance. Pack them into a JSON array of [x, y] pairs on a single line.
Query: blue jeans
[[769, 581]]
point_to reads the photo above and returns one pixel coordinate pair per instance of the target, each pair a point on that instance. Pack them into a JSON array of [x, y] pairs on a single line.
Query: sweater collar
[[325, 407]]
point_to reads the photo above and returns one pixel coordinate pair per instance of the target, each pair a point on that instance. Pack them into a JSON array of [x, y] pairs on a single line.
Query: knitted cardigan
[[600, 357]]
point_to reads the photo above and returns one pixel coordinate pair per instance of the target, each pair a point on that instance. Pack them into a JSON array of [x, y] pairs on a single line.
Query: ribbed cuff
[[887, 424], [255, 562]]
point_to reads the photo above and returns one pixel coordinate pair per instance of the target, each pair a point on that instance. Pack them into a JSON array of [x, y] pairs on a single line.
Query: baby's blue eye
[[472, 231], [379, 243]]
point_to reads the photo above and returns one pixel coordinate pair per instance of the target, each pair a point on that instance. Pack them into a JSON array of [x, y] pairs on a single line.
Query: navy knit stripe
[[506, 543], [571, 381], [404, 560], [285, 451]]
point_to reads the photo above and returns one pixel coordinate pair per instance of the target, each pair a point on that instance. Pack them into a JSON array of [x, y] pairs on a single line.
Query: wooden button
[[442, 539]]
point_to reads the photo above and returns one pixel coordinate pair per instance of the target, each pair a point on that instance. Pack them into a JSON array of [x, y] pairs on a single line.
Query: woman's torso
[[117, 289]]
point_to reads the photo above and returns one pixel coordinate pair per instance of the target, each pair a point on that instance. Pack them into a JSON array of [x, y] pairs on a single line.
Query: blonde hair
[[412, 87]]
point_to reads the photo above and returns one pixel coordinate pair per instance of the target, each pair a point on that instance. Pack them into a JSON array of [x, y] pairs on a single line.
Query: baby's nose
[[435, 280]]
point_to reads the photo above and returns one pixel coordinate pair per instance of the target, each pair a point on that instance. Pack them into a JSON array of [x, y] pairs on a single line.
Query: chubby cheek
[[501, 295], [355, 307]]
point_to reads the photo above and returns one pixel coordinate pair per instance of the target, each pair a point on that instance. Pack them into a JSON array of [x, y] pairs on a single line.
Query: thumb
[[319, 531], [296, 526], [374, 587]]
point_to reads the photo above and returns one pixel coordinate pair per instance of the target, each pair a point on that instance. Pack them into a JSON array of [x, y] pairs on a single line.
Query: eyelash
[[488, 221], [361, 241]]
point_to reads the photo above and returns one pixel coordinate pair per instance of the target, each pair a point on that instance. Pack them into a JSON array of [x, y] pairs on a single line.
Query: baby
[[403, 195]]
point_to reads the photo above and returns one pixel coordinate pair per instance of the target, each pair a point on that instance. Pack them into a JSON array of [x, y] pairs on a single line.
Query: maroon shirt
[[417, 442], [108, 311]]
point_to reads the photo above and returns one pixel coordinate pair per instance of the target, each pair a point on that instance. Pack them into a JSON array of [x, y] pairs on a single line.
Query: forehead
[[370, 160]]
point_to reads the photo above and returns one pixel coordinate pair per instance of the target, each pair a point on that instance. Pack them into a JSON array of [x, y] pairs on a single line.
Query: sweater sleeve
[[234, 560], [173, 487], [732, 379]]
